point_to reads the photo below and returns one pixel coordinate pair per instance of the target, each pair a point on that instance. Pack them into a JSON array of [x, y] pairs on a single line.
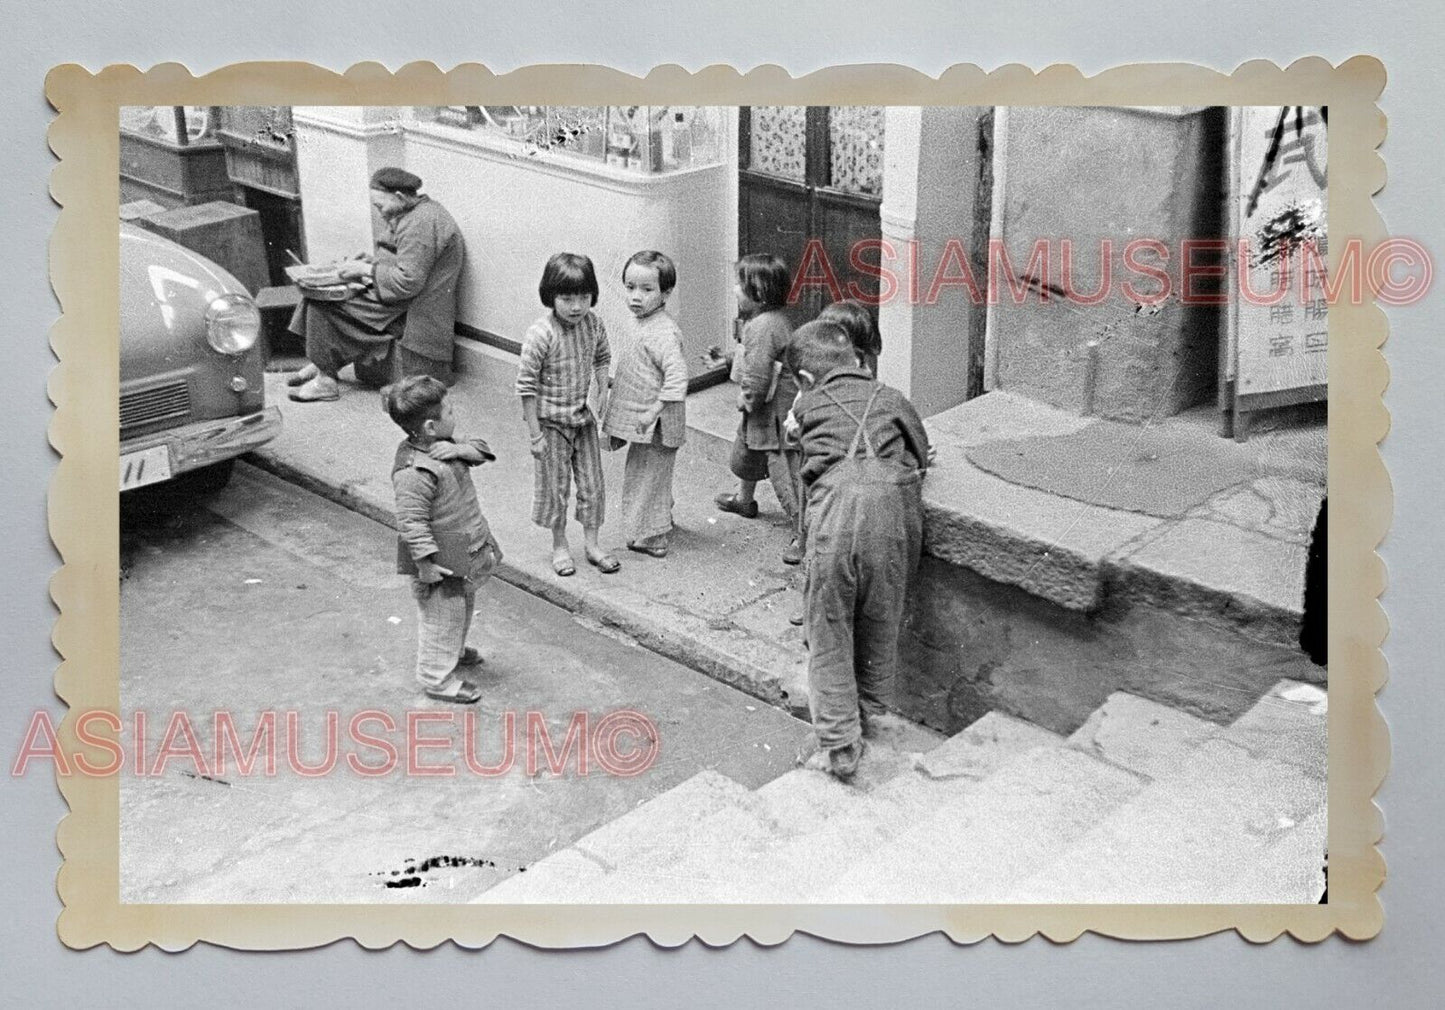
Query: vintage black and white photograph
[[803, 505]]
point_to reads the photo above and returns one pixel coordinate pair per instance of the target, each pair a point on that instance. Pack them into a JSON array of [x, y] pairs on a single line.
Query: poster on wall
[[1279, 340]]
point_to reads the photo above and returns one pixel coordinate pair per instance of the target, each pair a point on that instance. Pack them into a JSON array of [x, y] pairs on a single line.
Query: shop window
[[855, 148], [177, 124], [778, 144], [638, 138]]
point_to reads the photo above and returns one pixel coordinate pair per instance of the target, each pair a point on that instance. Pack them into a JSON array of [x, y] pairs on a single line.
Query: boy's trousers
[[444, 616], [865, 530]]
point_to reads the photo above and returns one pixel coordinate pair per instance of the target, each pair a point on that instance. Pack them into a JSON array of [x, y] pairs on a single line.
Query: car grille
[[155, 404]]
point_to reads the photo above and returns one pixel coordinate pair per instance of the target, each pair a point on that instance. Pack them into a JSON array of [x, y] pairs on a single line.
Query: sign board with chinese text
[[1278, 344]]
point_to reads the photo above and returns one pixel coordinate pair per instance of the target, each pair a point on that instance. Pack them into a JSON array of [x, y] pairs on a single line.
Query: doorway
[[810, 184]]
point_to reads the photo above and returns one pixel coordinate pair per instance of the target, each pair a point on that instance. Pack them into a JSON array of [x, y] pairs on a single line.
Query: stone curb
[[681, 639]]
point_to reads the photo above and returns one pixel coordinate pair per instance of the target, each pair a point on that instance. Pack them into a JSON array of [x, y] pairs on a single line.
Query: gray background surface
[[1400, 968]]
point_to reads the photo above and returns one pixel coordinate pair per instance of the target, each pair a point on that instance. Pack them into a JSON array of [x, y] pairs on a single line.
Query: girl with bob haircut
[[568, 274], [563, 354]]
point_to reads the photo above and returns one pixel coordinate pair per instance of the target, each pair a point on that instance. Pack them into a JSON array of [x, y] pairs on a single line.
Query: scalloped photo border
[[83, 505]]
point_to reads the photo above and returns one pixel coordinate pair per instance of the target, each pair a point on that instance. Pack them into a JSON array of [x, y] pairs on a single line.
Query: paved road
[[266, 598]]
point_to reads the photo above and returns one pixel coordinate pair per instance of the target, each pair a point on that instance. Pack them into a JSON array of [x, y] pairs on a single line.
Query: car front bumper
[[203, 443]]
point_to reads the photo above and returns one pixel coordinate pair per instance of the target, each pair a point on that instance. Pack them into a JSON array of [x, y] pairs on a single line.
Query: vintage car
[[191, 391]]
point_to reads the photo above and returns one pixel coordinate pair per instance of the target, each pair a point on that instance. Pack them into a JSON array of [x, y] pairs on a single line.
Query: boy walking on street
[[443, 540], [864, 452]]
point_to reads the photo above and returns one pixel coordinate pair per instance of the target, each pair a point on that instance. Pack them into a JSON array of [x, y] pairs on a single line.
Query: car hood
[[164, 292]]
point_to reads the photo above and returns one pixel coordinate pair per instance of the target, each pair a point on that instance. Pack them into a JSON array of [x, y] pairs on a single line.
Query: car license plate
[[148, 466]]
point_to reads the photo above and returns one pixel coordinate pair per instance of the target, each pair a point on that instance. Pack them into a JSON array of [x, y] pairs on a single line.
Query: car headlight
[[233, 324]]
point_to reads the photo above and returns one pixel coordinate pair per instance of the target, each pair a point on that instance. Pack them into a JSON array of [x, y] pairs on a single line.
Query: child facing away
[[646, 410], [862, 330], [864, 452], [443, 540], [765, 394], [563, 354]]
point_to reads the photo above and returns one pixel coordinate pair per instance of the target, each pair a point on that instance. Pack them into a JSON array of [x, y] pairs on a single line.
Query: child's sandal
[[603, 562], [563, 565], [654, 550]]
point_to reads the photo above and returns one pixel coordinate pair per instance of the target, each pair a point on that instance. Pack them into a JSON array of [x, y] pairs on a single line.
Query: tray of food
[[322, 282]]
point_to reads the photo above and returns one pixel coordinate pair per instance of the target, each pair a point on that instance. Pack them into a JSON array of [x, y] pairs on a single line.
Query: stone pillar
[[337, 149], [931, 214], [1091, 175]]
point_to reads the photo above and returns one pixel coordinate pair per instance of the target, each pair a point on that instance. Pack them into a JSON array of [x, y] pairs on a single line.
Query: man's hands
[[355, 269], [430, 572], [539, 444]]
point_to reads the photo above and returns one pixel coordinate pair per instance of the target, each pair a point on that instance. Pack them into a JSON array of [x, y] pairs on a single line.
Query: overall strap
[[859, 436]]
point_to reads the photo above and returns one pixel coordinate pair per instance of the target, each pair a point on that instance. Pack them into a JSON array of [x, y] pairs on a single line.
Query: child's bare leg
[[562, 550], [596, 556], [746, 490]]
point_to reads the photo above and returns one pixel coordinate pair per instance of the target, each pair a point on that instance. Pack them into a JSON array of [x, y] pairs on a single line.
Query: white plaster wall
[[337, 149], [930, 178], [515, 212]]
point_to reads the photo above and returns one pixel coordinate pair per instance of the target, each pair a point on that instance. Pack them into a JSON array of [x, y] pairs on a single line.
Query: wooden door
[[810, 183]]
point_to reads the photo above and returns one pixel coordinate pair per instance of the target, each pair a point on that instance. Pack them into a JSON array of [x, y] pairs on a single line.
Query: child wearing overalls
[[864, 452]]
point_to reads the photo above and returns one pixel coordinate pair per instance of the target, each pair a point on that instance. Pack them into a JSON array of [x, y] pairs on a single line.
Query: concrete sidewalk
[[719, 602], [1103, 599]]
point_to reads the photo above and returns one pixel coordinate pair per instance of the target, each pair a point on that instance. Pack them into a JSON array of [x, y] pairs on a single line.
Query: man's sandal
[[316, 391], [563, 565], [304, 375], [470, 657]]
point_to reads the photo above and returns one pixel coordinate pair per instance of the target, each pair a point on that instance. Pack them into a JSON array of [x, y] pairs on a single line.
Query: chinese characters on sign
[[1280, 212]]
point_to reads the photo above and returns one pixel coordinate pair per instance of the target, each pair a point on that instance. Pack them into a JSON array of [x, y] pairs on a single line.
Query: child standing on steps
[[443, 540], [864, 451], [563, 354], [646, 410], [765, 395]]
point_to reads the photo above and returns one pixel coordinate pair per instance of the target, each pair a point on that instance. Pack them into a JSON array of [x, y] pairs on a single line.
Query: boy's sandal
[[563, 565], [651, 550], [470, 657], [466, 693], [730, 503], [603, 562]]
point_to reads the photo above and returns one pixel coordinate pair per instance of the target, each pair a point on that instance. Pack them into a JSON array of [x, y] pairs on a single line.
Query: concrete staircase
[[1143, 804]]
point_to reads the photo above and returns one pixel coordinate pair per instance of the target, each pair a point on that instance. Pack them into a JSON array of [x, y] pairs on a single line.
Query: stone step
[[982, 747], [1141, 735], [1293, 863], [1288, 724], [727, 853], [984, 839], [579, 873], [824, 825], [1220, 829]]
